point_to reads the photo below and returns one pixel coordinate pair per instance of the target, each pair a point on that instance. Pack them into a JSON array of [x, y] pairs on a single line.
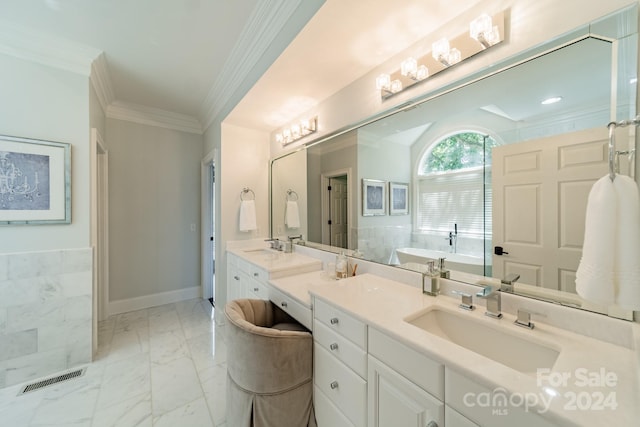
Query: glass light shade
[[279, 138], [422, 72], [286, 134], [440, 49], [295, 131], [383, 81], [454, 56], [482, 25], [493, 36], [396, 86], [409, 67], [305, 127]]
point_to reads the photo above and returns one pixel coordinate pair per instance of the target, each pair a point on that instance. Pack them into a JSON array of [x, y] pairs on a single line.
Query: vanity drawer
[[252, 271], [346, 351], [298, 311], [426, 373], [342, 323], [341, 385], [327, 414], [255, 288]]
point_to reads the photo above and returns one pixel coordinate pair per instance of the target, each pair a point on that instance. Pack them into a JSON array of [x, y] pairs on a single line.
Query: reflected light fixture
[[297, 130], [484, 32], [551, 100]]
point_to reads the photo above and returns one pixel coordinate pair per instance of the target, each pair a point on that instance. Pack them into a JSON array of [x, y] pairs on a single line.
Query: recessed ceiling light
[[551, 100]]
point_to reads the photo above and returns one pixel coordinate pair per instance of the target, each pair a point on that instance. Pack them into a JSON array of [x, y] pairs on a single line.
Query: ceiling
[[171, 54]]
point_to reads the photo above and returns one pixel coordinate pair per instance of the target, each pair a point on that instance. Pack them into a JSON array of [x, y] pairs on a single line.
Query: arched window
[[454, 185]]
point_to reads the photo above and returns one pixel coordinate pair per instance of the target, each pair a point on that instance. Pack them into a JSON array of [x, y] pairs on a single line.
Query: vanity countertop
[[297, 287], [276, 262], [384, 304]]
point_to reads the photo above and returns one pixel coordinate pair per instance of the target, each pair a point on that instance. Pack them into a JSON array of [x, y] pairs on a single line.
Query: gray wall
[[154, 196]]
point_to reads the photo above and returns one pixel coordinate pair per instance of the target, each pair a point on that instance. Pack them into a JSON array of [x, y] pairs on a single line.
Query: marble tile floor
[[162, 366]]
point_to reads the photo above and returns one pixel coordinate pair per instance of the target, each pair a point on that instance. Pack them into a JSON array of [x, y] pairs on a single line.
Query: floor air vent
[[53, 380]]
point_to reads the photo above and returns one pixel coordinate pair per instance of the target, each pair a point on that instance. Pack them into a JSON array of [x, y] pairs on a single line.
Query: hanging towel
[[594, 277], [248, 215], [627, 266], [609, 271], [292, 214]]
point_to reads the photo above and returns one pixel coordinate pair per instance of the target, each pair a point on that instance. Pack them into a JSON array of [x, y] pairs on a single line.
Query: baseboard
[[139, 303]]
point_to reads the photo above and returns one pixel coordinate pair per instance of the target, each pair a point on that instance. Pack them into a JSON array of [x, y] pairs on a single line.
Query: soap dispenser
[[431, 280], [444, 273], [341, 266]]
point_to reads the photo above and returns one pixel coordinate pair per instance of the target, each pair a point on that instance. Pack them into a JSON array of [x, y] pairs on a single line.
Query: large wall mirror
[[493, 175]]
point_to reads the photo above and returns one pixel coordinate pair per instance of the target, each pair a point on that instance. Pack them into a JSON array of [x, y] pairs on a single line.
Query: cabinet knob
[[334, 320], [255, 274], [236, 277], [432, 424], [283, 303], [256, 289], [334, 346], [334, 385]]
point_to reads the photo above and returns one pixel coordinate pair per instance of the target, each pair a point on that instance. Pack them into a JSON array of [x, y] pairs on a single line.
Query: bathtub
[[458, 262]]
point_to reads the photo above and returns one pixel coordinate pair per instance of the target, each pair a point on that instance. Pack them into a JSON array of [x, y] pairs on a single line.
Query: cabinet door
[[455, 419], [396, 401]]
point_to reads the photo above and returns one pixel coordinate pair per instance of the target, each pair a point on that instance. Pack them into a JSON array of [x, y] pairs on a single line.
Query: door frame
[[206, 225], [324, 184], [99, 182]]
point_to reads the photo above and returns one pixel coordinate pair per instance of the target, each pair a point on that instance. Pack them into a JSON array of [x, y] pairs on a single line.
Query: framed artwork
[[398, 198], [35, 181], [374, 197]]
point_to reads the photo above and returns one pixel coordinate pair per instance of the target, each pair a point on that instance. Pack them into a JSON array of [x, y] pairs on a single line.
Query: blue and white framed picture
[[374, 197], [35, 181], [398, 198]]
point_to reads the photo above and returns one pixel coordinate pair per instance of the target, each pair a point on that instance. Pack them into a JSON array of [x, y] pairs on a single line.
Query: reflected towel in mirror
[[248, 215], [292, 214], [609, 272]]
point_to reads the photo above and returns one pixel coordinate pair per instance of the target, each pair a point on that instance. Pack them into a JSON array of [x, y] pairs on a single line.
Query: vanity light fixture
[[297, 130], [551, 100], [484, 32]]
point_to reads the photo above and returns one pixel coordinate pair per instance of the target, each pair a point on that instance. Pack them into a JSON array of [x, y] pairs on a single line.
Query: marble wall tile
[[77, 260], [4, 268], [33, 264], [29, 316], [18, 344], [35, 365], [76, 284], [18, 292], [3, 321]]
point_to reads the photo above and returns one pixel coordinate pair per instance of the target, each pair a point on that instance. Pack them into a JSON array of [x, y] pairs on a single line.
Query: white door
[[540, 191], [338, 227], [395, 401]]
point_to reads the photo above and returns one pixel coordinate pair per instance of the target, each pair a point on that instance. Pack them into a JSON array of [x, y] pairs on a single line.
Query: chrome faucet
[[466, 300], [288, 245], [274, 243], [453, 239], [506, 284], [494, 301]]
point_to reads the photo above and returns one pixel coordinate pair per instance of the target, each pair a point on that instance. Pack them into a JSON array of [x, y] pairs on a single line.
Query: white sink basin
[[496, 343], [260, 251]]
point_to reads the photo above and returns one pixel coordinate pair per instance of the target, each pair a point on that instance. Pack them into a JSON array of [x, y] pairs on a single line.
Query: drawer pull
[[334, 320], [432, 424], [284, 304], [256, 289], [255, 274], [334, 346], [334, 385], [236, 277]]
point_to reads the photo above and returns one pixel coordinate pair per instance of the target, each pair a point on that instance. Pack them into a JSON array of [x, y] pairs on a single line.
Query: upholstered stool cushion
[[269, 370]]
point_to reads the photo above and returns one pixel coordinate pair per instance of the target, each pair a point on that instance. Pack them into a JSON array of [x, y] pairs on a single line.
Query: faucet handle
[[486, 291], [466, 300], [523, 318]]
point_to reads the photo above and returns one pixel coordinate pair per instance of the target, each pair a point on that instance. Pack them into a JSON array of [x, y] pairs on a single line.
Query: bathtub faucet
[[453, 239]]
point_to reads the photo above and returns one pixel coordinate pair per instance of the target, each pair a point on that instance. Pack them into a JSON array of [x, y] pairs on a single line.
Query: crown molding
[[153, 117], [265, 22], [35, 46], [101, 82]]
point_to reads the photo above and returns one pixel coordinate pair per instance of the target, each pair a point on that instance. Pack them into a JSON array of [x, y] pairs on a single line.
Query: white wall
[[45, 103], [154, 196], [288, 173]]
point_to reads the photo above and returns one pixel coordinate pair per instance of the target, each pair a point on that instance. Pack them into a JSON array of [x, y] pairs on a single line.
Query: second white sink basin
[[497, 344]]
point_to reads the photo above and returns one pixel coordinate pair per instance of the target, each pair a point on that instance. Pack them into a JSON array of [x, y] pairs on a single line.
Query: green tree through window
[[462, 150]]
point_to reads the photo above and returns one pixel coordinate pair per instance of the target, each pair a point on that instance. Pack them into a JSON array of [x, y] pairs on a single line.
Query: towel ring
[[613, 154], [245, 191], [292, 196]]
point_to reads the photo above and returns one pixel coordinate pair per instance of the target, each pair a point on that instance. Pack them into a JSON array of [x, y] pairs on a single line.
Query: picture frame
[[35, 181], [398, 198], [374, 197]]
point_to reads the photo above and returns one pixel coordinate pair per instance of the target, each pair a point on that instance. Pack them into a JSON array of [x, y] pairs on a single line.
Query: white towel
[[608, 272], [292, 214], [627, 266], [248, 215]]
